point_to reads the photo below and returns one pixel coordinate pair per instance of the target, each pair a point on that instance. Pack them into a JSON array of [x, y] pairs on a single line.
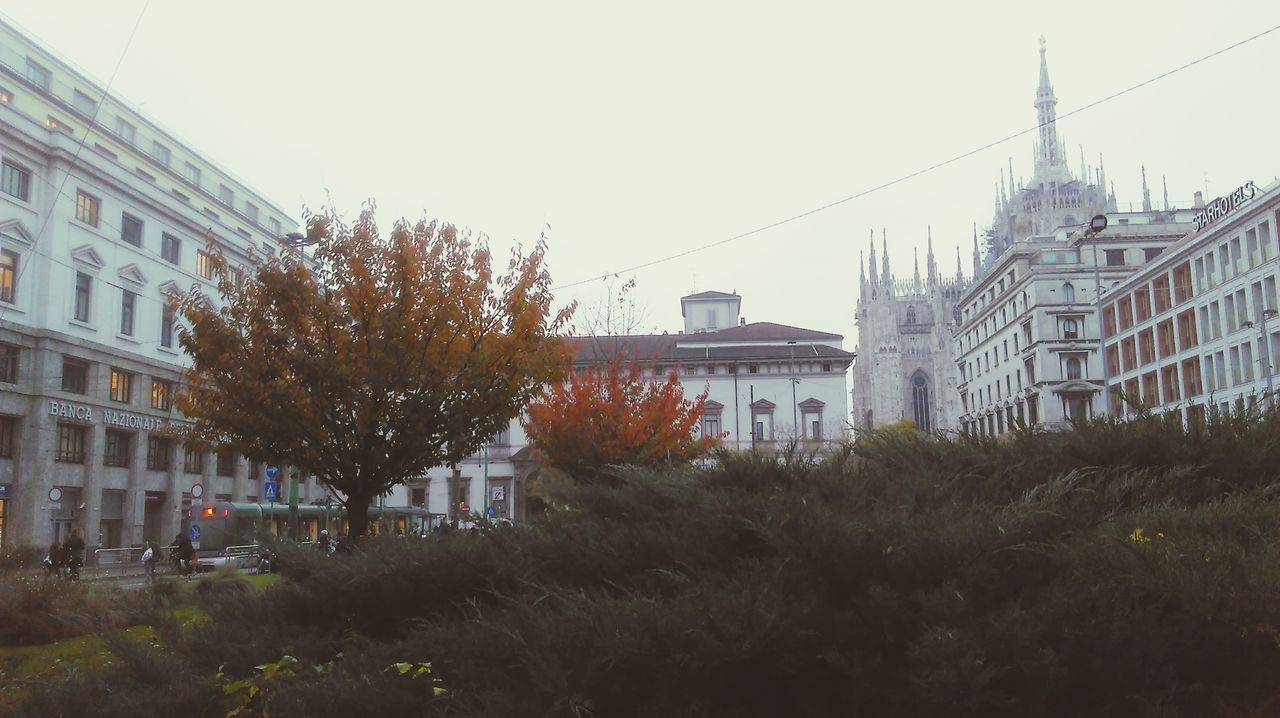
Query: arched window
[[1068, 293], [1070, 329], [911, 315], [1073, 368], [920, 408]]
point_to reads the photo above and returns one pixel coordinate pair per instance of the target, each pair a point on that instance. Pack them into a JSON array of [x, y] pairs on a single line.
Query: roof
[[762, 331], [665, 348], [710, 295]]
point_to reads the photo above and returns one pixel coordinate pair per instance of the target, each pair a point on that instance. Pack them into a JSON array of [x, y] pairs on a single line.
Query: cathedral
[[904, 368]]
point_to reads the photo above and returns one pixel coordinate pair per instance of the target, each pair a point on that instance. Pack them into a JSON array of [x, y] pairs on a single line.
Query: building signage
[[110, 417], [1224, 205]]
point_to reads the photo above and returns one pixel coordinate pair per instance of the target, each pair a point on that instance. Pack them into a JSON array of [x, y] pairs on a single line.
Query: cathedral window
[[911, 315], [920, 406]]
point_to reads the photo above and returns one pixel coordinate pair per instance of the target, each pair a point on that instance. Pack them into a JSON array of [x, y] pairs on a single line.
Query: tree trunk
[[358, 515]]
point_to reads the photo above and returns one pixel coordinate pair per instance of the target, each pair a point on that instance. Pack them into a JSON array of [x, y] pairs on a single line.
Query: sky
[[632, 132]]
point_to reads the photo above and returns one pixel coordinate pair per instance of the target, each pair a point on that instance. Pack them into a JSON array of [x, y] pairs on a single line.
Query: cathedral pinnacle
[[1165, 182], [977, 258], [872, 264], [1146, 191], [885, 276], [932, 264], [916, 279]]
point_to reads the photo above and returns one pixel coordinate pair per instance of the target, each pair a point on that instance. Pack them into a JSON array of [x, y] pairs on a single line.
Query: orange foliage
[[375, 358], [615, 414]]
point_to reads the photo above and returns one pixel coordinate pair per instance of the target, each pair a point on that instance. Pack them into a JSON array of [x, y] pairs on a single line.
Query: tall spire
[[959, 268], [977, 258], [933, 265], [916, 279], [862, 276], [1164, 181], [1146, 191], [1050, 165], [885, 276], [1084, 166], [872, 264], [1012, 190]]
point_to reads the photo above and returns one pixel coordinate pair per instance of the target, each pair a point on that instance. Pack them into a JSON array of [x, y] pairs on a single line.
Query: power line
[[919, 172], [106, 94]]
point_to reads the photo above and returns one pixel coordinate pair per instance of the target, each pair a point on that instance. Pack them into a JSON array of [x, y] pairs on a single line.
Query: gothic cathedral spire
[[1050, 164], [885, 276], [977, 258], [932, 264], [1146, 191]]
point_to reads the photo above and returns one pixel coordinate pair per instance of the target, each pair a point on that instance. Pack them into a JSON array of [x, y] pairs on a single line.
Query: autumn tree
[[616, 413], [374, 358]]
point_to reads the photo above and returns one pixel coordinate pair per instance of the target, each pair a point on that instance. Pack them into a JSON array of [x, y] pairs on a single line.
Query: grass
[[24, 666]]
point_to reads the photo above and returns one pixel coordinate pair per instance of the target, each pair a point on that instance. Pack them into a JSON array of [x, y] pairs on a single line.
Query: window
[[753, 368], [226, 460], [1068, 293], [171, 249], [711, 426], [251, 211], [70, 448], [226, 196], [711, 319], [193, 462], [8, 276], [166, 327], [83, 103], [131, 229], [117, 451], [204, 264], [274, 225], [125, 131], [1073, 368], [128, 302], [1070, 329], [160, 153], [86, 208], [8, 427], [192, 173], [8, 363], [84, 292], [15, 181], [38, 74], [1150, 253], [255, 469], [121, 386], [159, 453], [1115, 257], [75, 377], [911, 315], [161, 394]]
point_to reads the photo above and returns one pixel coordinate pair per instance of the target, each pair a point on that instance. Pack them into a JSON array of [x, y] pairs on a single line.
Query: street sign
[[194, 532], [464, 508], [270, 490], [197, 490], [490, 511], [273, 472], [55, 494]]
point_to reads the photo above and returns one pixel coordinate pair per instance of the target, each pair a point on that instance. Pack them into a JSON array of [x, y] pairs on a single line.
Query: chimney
[[1199, 199], [742, 321]]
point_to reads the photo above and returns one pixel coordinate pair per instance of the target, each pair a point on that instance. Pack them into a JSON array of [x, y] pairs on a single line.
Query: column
[[33, 474], [135, 497], [240, 479], [173, 492]]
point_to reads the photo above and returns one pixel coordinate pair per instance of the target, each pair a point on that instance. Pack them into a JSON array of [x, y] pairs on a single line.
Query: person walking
[[325, 544], [53, 559], [149, 562], [187, 559], [73, 550]]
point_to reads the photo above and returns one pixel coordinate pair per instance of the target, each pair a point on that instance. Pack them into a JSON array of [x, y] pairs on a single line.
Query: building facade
[[1196, 328], [103, 214], [1027, 346], [767, 385], [904, 368]]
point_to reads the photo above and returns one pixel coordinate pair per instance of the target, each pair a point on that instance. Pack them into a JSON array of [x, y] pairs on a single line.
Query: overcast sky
[[641, 130]]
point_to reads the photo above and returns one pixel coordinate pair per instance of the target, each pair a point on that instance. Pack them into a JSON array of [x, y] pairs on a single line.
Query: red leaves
[[617, 414]]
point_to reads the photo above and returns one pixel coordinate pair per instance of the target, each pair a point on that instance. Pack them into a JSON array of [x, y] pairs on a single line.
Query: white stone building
[[1197, 327], [904, 368], [102, 212], [768, 384], [1027, 344]]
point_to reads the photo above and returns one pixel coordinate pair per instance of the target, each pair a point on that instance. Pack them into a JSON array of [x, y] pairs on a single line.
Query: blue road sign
[[273, 472], [194, 532], [490, 511], [269, 491]]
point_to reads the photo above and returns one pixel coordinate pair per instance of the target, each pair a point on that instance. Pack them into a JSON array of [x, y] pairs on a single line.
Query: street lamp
[[1096, 225], [795, 419], [1265, 354]]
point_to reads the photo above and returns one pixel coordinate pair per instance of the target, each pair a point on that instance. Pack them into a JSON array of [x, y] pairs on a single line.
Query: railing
[[121, 561]]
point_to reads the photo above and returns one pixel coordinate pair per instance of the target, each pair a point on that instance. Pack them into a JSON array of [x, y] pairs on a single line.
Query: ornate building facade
[[904, 368]]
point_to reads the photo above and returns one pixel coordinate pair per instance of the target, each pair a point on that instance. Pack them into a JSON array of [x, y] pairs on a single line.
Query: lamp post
[[1096, 225], [1266, 314], [795, 418]]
